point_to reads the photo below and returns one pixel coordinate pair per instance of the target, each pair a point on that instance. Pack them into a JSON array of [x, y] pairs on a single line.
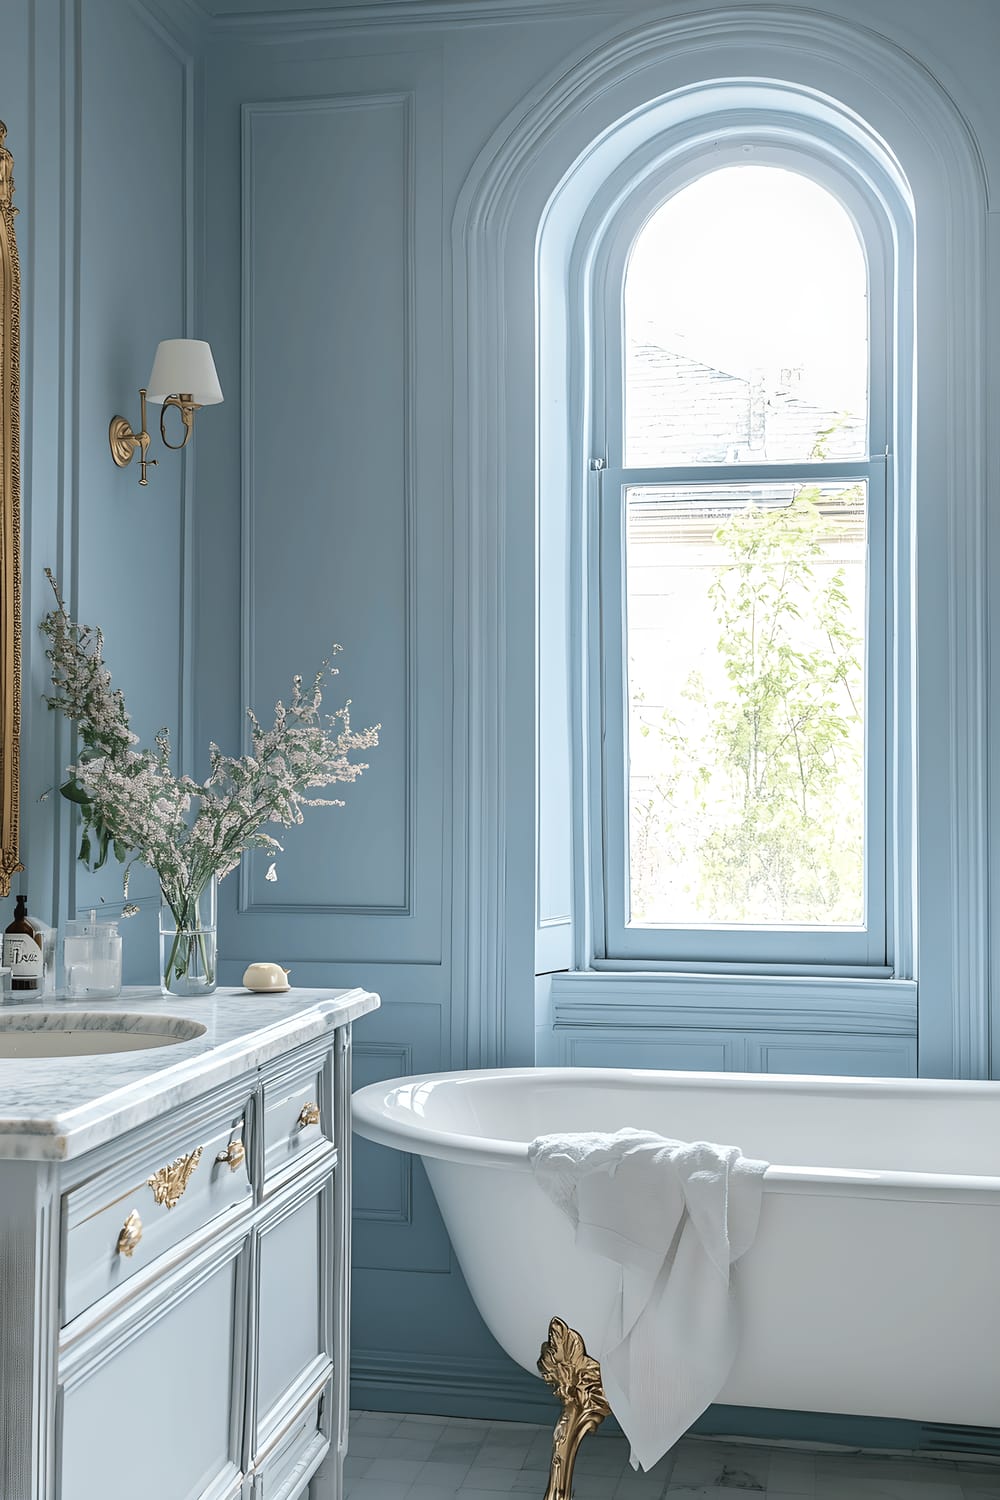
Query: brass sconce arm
[[187, 409], [183, 375], [124, 441]]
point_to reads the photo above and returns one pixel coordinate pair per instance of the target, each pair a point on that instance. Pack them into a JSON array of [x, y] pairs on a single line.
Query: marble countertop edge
[[70, 1132]]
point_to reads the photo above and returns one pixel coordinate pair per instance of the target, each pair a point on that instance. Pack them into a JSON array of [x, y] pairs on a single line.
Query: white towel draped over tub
[[674, 1215]]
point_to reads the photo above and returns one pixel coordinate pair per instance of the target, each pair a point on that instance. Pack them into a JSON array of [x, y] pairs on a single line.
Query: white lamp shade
[[184, 367]]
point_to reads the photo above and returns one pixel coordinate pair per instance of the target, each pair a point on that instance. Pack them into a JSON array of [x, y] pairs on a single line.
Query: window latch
[[597, 464]]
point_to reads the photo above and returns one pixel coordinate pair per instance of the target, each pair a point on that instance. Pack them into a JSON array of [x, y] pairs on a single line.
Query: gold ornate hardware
[[308, 1115], [10, 523], [130, 1236], [575, 1377], [169, 1182], [124, 441], [234, 1155]]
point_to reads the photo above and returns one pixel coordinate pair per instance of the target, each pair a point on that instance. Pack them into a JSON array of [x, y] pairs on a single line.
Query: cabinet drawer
[[118, 1222], [155, 1408], [297, 1114]]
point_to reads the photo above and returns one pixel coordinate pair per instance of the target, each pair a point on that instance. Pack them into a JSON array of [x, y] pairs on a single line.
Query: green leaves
[[74, 792], [91, 822]]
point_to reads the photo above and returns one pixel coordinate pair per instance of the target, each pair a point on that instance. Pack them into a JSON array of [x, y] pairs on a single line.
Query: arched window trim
[[875, 197], [510, 927]]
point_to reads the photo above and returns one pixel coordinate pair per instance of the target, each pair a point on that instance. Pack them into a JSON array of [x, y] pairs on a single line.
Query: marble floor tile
[[450, 1476], [376, 1489], [715, 1467], [365, 1445], [881, 1466], [414, 1457], [697, 1492], [533, 1481], [502, 1455], [382, 1424], [420, 1430], [791, 1473], [852, 1486], [481, 1477], [399, 1470], [476, 1495]]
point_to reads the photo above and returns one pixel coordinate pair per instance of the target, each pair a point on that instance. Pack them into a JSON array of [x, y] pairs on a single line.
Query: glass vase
[[188, 941]]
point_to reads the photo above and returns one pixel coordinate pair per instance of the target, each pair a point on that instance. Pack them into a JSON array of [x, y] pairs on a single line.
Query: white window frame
[[747, 135]]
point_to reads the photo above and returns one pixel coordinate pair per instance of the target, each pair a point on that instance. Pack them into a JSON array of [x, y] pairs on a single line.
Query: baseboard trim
[[500, 1391]]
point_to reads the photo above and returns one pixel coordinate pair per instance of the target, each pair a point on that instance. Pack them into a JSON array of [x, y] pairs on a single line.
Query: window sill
[[652, 1000]]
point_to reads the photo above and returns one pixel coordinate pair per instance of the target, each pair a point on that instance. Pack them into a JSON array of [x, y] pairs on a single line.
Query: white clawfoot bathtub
[[873, 1287]]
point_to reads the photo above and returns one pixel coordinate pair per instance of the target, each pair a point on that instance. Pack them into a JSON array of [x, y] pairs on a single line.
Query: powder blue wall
[[99, 100], [325, 517], [329, 508]]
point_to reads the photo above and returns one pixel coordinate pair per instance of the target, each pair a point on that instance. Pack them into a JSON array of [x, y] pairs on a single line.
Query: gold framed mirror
[[10, 523]]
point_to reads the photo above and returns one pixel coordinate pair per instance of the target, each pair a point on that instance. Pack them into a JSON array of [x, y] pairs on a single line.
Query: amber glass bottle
[[22, 950]]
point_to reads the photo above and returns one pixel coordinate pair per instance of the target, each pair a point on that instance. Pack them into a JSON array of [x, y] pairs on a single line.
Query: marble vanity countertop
[[54, 1108]]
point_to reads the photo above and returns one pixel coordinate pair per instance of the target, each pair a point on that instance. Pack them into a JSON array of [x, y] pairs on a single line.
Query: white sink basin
[[53, 1033]]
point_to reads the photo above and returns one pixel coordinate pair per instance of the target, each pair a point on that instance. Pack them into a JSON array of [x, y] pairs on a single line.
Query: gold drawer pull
[[130, 1235], [168, 1183], [308, 1115], [234, 1155]]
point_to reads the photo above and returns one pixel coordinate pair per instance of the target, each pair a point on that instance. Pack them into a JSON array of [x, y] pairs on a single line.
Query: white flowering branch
[[187, 830]]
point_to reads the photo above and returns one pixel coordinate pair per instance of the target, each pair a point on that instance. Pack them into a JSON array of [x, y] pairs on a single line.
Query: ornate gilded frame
[[10, 523]]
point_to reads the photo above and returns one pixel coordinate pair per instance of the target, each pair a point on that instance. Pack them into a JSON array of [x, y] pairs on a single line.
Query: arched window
[[744, 391], [545, 229]]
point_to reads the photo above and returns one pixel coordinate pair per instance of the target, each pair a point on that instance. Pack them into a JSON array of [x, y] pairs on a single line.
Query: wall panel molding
[[729, 1023], [137, 87], [269, 25], [859, 1056], [180, 46], [254, 115], [398, 1209], [69, 457], [49, 230], [397, 1225], [183, 21], [87, 347]]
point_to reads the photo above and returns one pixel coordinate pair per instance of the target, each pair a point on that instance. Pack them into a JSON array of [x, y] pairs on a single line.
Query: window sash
[[610, 941], [865, 946]]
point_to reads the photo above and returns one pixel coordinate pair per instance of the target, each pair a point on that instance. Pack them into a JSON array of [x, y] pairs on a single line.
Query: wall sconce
[[183, 375]]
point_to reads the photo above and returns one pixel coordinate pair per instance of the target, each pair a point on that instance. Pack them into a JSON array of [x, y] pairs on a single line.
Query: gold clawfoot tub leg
[[575, 1377]]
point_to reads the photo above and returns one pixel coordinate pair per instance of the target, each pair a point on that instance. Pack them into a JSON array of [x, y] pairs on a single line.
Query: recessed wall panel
[[326, 483], [131, 253], [396, 1221], [133, 261]]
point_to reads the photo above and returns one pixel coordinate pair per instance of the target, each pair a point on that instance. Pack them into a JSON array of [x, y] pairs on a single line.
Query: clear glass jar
[[92, 959], [188, 941]]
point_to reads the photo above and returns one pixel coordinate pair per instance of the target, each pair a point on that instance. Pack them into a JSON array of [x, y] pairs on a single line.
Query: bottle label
[[22, 955]]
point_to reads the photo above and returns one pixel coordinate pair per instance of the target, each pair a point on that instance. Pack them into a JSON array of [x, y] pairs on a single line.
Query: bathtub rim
[[373, 1121]]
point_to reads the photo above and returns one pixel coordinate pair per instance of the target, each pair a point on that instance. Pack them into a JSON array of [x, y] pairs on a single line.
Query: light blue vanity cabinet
[[175, 1256]]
